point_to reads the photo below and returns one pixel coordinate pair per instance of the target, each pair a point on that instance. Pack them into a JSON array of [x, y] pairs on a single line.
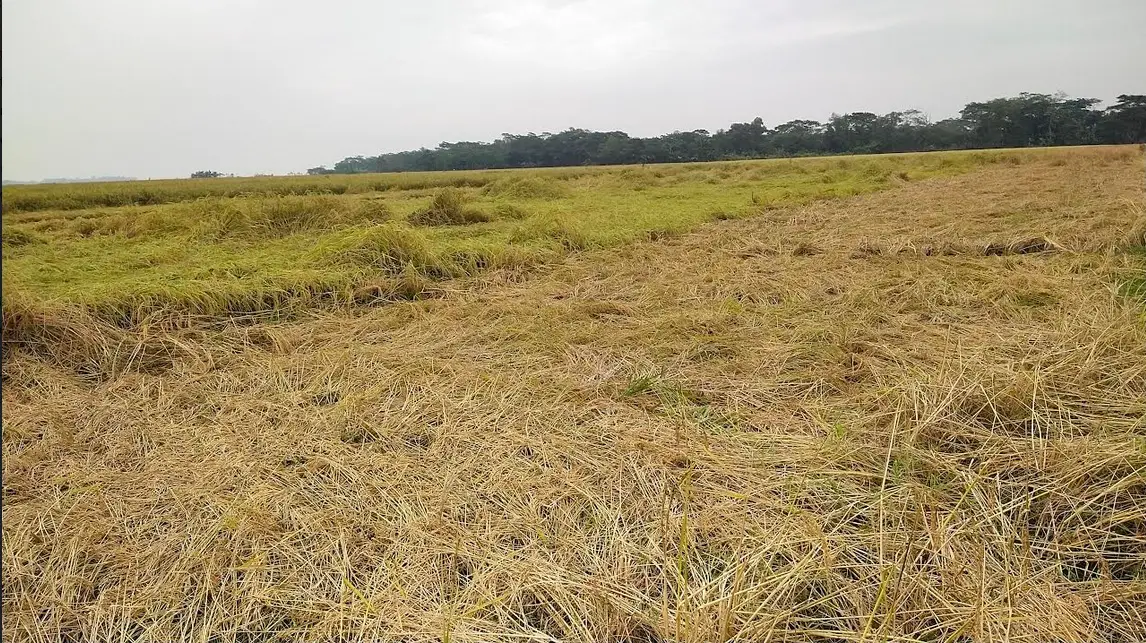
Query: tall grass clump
[[16, 237], [448, 208], [280, 216], [526, 187], [510, 211], [385, 248], [640, 180], [562, 229]]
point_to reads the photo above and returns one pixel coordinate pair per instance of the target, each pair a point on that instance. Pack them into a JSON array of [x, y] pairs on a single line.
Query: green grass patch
[[210, 247]]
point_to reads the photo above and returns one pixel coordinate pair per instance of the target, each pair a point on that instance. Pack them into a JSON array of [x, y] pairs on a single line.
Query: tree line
[[1026, 120]]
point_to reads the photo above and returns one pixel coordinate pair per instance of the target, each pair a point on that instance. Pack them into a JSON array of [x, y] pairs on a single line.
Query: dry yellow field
[[917, 414]]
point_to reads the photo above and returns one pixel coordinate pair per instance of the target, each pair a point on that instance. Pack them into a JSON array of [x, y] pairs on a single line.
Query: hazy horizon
[[152, 90]]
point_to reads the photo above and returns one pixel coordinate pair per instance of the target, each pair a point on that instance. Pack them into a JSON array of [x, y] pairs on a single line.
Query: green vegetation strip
[[385, 236]]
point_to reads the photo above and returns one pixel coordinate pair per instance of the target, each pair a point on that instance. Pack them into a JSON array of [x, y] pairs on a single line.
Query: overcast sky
[[159, 88]]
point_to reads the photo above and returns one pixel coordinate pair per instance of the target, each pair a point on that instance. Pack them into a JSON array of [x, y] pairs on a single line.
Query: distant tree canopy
[[1026, 120], [206, 174]]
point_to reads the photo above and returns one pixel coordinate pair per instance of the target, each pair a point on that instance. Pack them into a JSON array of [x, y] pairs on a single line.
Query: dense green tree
[[855, 133], [615, 149], [1032, 120], [742, 139], [1125, 120], [1019, 121], [798, 137]]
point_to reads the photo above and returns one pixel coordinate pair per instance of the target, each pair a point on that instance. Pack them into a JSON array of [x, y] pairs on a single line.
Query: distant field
[[78, 196], [839, 399], [233, 246]]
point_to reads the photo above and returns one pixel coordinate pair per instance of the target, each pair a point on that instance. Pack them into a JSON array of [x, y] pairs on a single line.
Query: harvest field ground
[[884, 398]]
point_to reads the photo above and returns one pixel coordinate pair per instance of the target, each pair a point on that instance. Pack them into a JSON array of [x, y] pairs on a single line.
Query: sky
[[151, 89]]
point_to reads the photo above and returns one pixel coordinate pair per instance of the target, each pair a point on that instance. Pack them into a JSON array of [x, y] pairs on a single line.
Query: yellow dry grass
[[916, 415]]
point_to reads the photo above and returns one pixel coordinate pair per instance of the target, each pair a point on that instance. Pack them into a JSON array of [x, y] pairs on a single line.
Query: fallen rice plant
[[706, 437]]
